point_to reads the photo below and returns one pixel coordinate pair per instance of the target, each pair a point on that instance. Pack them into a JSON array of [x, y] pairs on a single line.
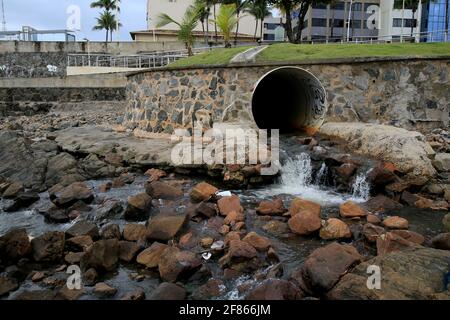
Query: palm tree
[[213, 3], [203, 15], [187, 25], [106, 21], [226, 21], [240, 6], [260, 10], [287, 7], [108, 5]]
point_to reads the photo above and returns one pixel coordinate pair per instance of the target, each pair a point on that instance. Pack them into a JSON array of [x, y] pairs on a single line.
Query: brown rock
[[299, 205], [441, 241], [410, 236], [305, 223], [206, 209], [7, 285], [390, 242], [258, 242], [233, 217], [137, 295], [167, 292], [373, 219], [150, 257], [346, 170], [203, 192], [14, 246], [350, 209], [128, 250], [138, 207], [238, 251], [275, 289], [233, 235], [372, 232], [276, 227], [111, 231], [134, 232], [103, 255], [104, 290], [162, 190], [48, 247], [114, 158], [13, 190], [382, 203], [175, 264], [165, 227], [229, 204], [79, 244], [206, 242], [335, 229], [83, 228], [395, 222], [271, 208], [73, 257], [77, 191], [155, 174], [211, 289], [69, 295]]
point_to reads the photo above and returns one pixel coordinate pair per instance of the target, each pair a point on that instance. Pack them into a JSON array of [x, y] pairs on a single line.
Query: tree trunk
[[288, 26], [215, 24], [107, 35], [301, 21], [256, 28], [207, 28], [261, 31], [204, 33]]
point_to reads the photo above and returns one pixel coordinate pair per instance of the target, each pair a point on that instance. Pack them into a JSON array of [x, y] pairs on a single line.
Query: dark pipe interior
[[287, 99]]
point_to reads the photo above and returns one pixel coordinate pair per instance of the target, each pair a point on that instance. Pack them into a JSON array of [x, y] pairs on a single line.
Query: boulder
[[335, 229], [407, 150], [155, 174], [239, 251], [103, 290], [138, 207], [414, 274], [109, 209], [13, 190], [77, 191], [206, 209], [202, 192], [380, 204], [379, 177], [22, 200], [275, 289], [168, 291], [103, 255], [420, 202], [258, 242], [276, 227], [14, 245], [90, 277], [175, 264], [128, 250], [48, 247], [441, 241], [229, 204], [299, 205], [305, 223], [7, 285], [162, 190], [79, 243], [73, 257], [56, 215], [373, 219], [122, 180], [326, 265], [446, 222], [350, 209], [110, 231], [390, 242], [213, 288], [134, 232], [151, 256], [233, 217], [395, 222], [83, 228], [372, 232], [271, 208], [410, 236], [136, 295], [165, 227], [442, 161]]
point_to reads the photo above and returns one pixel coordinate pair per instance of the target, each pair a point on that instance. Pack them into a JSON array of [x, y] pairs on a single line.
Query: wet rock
[[103, 290], [299, 205], [165, 227], [14, 245], [114, 159], [233, 235], [271, 208], [105, 187], [168, 291], [128, 250], [395, 222], [422, 202], [213, 288], [103, 255], [258, 242], [346, 171], [442, 162], [410, 236], [83, 228], [229, 204], [379, 177], [325, 266], [77, 191], [350, 209], [90, 277], [424, 266], [175, 264], [73, 257], [155, 174], [13, 190], [390, 242], [69, 295], [202, 192], [35, 295], [110, 231], [275, 227], [382, 203], [134, 232], [79, 243], [110, 208], [372, 232], [122, 180], [275, 289], [446, 222], [162, 190], [136, 295], [23, 200], [206, 242], [441, 241], [151, 256], [305, 223], [234, 217], [56, 215], [38, 276], [7, 285], [238, 252], [373, 219], [48, 247], [207, 210], [138, 207], [335, 229]]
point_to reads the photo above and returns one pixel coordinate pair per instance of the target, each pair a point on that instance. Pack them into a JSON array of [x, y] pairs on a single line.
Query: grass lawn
[[216, 56], [305, 52]]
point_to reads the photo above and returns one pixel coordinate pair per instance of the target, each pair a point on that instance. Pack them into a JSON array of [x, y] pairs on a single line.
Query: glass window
[[339, 6], [357, 6], [355, 24], [317, 22], [270, 37], [338, 23], [319, 6]]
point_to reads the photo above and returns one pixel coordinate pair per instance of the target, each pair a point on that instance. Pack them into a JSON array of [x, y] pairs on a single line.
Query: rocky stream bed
[[76, 192]]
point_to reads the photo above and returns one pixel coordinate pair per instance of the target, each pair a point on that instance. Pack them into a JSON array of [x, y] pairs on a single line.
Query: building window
[[407, 23], [367, 5], [319, 6], [269, 37], [355, 24], [271, 26], [338, 23], [357, 6], [317, 22], [339, 6]]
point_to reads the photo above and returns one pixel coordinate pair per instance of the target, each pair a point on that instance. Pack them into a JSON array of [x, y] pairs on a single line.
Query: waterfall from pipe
[[297, 179]]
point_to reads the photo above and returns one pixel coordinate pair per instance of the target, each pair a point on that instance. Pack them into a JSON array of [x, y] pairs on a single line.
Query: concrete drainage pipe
[[290, 99]]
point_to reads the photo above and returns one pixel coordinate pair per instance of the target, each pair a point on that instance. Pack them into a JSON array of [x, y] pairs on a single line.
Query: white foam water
[[297, 179]]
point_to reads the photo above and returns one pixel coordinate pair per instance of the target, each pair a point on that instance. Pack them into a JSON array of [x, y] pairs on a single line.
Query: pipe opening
[[290, 99]]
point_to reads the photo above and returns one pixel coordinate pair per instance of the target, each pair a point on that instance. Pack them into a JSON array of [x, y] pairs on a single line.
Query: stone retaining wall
[[32, 65], [410, 92]]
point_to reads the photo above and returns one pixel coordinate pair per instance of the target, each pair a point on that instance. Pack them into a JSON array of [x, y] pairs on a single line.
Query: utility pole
[[3, 17], [403, 21], [348, 21]]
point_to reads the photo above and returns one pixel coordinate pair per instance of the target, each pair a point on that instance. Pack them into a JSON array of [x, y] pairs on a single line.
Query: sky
[[52, 14]]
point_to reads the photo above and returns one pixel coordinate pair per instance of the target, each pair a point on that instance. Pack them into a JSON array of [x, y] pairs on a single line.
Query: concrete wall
[[411, 93], [32, 65]]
